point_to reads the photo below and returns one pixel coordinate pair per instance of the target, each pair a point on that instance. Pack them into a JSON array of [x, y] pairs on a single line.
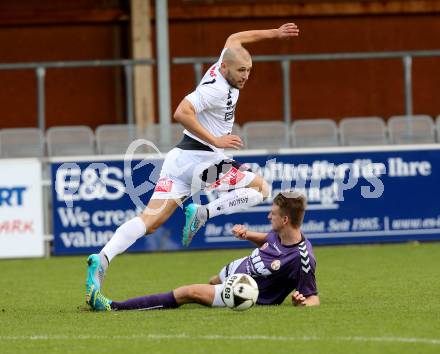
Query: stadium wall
[[354, 196], [86, 30]]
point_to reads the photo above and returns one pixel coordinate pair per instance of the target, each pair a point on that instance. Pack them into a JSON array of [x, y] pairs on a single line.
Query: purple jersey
[[279, 269]]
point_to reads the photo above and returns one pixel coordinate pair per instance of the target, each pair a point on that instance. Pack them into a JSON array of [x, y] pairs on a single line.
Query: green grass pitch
[[374, 299]]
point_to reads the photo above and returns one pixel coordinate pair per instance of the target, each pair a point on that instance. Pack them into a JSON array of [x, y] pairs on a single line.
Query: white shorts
[[186, 172], [224, 273], [230, 268]]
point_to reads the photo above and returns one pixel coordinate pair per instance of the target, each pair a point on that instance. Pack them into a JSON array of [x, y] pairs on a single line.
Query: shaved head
[[236, 66], [235, 54]]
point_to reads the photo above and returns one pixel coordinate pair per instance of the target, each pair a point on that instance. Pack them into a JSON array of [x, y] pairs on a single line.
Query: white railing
[[285, 61]]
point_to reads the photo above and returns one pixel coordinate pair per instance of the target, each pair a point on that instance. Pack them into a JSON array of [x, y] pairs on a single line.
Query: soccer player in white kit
[[198, 161]]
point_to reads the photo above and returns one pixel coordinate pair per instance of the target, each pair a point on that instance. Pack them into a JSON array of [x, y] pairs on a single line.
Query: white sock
[[234, 201], [125, 235], [103, 260]]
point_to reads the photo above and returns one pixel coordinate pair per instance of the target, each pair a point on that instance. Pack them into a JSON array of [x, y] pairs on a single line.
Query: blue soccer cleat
[[99, 302], [195, 218], [95, 275]]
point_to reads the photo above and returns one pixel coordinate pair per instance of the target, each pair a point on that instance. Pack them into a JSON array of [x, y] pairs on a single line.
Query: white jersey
[[214, 101]]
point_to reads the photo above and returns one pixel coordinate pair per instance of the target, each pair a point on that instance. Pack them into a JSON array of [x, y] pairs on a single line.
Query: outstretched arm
[[241, 232], [285, 31], [299, 299]]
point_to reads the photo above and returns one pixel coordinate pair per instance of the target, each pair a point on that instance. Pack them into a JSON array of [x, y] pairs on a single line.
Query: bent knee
[[215, 280], [151, 223], [265, 189], [260, 184]]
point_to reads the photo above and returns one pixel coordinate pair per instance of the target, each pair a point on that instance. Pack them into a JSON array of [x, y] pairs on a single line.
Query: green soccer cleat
[[95, 275], [99, 302], [195, 218]]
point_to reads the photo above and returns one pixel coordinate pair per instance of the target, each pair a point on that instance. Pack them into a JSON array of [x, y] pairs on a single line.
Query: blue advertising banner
[[354, 196]]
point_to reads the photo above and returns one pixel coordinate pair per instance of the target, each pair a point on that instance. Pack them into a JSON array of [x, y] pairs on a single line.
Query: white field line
[[432, 341]]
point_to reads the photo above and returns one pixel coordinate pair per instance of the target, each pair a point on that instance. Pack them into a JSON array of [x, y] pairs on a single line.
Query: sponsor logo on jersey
[[230, 107], [275, 265], [212, 72], [264, 246], [229, 99], [258, 264], [229, 115], [164, 184], [276, 247]]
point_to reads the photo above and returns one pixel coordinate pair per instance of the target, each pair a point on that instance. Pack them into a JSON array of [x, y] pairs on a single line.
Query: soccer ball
[[240, 292]]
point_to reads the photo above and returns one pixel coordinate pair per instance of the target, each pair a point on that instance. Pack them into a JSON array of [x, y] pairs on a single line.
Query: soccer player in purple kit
[[283, 262]]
